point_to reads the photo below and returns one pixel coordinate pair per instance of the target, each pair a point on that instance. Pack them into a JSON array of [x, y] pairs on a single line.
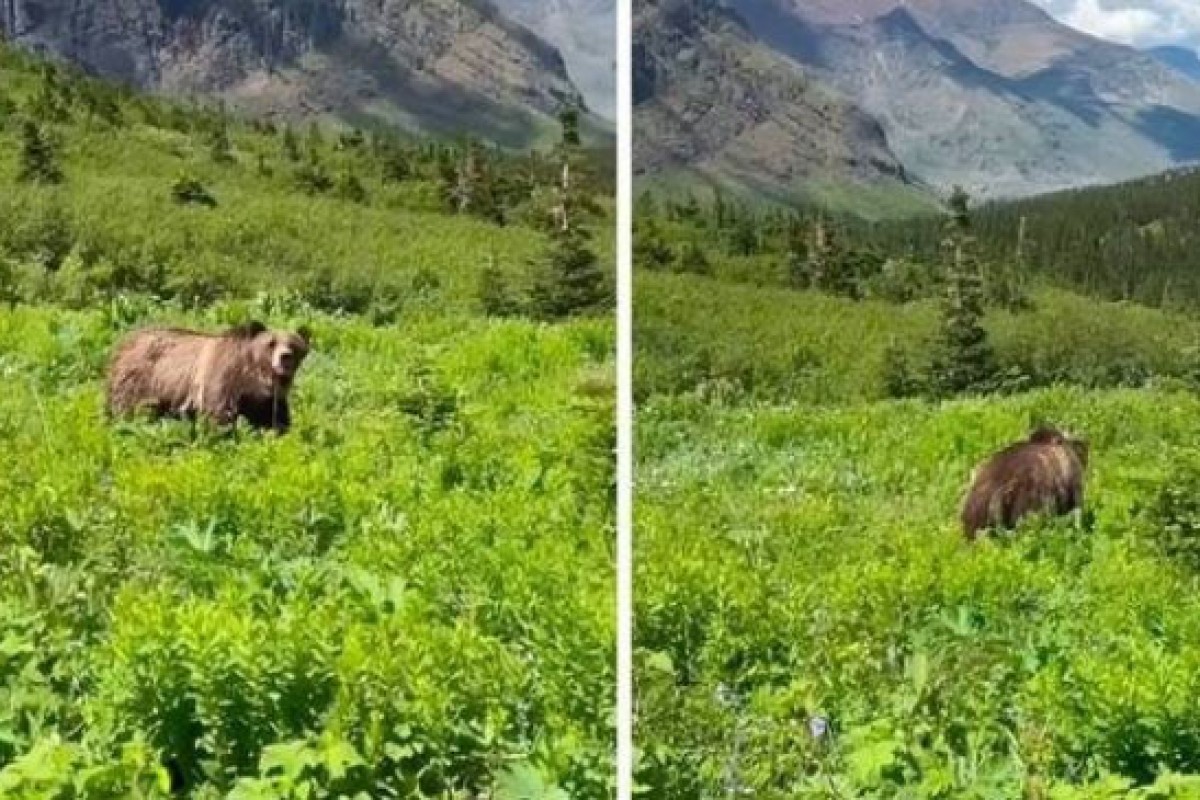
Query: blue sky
[[1137, 22]]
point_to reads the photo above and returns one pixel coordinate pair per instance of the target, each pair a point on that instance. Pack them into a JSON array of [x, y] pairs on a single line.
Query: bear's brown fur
[[245, 372], [1043, 474]]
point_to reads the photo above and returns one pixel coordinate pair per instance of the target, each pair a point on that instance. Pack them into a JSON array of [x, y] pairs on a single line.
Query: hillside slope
[[428, 65], [711, 102]]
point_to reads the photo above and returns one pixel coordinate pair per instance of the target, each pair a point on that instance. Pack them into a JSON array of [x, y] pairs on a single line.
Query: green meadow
[[811, 621], [411, 593]]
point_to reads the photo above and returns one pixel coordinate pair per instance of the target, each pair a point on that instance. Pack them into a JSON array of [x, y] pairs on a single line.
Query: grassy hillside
[[408, 595], [699, 335], [811, 621], [796, 563]]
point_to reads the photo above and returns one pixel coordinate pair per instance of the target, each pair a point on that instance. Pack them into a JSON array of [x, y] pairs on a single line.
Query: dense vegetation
[[1133, 241], [408, 595], [810, 620]]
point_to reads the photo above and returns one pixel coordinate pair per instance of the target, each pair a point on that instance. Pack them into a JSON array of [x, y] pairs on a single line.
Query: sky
[[1141, 23]]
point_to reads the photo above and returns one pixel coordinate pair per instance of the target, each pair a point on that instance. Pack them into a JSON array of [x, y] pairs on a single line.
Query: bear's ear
[[247, 330], [1045, 433], [305, 333]]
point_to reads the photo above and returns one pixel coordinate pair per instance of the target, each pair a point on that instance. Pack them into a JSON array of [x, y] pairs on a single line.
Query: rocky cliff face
[[712, 102], [585, 32], [440, 65], [995, 96]]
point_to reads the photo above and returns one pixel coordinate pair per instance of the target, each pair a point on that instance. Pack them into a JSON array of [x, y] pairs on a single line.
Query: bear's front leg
[[282, 417], [266, 414]]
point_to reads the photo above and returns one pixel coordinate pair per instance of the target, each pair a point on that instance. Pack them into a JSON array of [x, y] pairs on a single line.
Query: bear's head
[[280, 353], [1048, 435]]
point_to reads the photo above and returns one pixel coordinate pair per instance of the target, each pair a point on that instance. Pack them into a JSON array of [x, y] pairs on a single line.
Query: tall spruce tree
[[291, 147], [219, 146], [38, 161], [51, 102], [571, 280], [963, 359], [568, 118], [474, 188]]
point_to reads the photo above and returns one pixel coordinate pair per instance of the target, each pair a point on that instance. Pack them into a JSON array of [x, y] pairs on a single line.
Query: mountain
[[1181, 59], [439, 66], [713, 105], [995, 96], [585, 32]]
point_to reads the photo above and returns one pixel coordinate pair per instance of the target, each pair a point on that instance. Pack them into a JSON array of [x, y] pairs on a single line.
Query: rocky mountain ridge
[[712, 105], [996, 96], [441, 66]]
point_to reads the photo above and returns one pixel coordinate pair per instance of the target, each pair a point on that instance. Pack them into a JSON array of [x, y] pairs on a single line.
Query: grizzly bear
[[245, 372], [1043, 474]]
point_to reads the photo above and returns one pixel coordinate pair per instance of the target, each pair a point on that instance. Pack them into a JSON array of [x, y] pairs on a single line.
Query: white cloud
[[1137, 22]]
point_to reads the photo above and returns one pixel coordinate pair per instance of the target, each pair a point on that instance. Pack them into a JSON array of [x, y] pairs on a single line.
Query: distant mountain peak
[[997, 96], [1180, 58]]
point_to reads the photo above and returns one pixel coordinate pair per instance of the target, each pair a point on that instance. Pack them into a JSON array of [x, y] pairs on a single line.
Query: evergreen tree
[[349, 187], [832, 268], [447, 178], [395, 167], [821, 250], [291, 147], [352, 140], [314, 141], [568, 118], [495, 297], [796, 256], [693, 259], [963, 359], [51, 101], [571, 280], [474, 189], [38, 160], [101, 102], [10, 284], [899, 379], [721, 210], [219, 146], [796, 264], [313, 178], [688, 210], [8, 111], [744, 240], [188, 190], [650, 249]]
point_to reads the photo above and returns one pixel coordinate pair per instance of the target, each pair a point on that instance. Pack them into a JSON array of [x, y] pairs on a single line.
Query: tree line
[[559, 192]]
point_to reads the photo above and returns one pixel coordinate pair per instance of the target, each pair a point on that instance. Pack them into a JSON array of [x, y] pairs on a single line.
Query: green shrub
[[187, 189]]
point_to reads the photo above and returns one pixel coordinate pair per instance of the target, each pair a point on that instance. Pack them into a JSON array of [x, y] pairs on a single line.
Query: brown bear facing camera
[[1043, 474], [245, 372]]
